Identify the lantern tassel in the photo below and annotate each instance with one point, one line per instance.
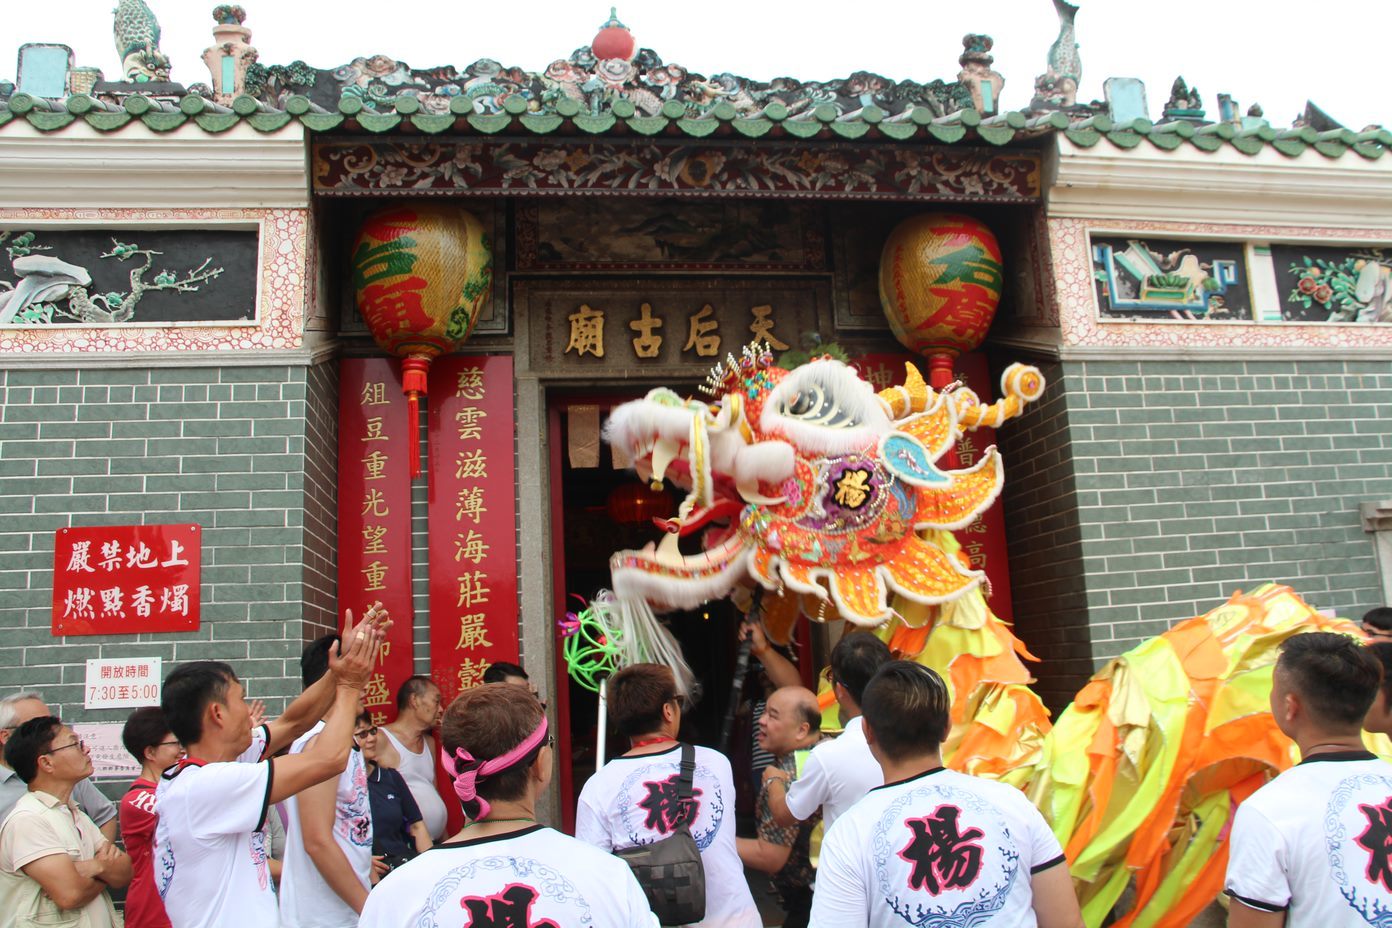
(941, 374)
(413, 380)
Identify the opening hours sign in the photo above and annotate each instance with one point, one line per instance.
(124, 579)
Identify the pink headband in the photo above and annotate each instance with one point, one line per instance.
(466, 770)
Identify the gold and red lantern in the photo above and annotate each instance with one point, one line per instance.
(940, 281)
(421, 275)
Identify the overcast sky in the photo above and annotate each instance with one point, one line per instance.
(1274, 52)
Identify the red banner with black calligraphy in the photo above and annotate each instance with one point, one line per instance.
(374, 516)
(124, 579)
(473, 533)
(983, 541)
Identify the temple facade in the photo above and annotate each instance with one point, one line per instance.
(185, 341)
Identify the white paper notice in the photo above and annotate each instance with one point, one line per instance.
(109, 756)
(124, 683)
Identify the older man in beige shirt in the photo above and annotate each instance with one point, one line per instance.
(55, 864)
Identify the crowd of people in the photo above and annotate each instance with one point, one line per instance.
(322, 819)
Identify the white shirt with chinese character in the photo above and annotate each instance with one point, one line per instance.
(634, 800)
(940, 848)
(537, 878)
(1316, 843)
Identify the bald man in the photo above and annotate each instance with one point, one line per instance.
(789, 728)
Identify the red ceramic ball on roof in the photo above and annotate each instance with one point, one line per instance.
(614, 40)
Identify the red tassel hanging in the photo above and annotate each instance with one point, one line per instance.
(413, 380)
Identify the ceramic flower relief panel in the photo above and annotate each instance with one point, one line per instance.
(1333, 284)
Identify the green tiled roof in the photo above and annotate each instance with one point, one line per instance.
(404, 114)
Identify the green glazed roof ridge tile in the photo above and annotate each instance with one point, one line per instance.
(541, 123)
(1084, 137)
(1291, 147)
(698, 128)
(598, 124)
(160, 121)
(1167, 141)
(944, 133)
(650, 125)
(753, 128)
(430, 123)
(208, 122)
(47, 121)
(899, 131)
(323, 122)
(378, 122)
(486, 123)
(850, 130)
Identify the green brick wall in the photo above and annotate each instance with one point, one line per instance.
(226, 448)
(1188, 481)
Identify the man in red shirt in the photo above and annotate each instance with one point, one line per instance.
(148, 739)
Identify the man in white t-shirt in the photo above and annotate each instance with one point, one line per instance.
(634, 798)
(503, 870)
(327, 868)
(840, 771)
(933, 846)
(209, 852)
(1313, 848)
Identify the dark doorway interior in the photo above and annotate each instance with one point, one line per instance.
(590, 522)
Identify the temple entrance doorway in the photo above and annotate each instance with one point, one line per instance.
(599, 508)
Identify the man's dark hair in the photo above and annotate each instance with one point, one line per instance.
(808, 711)
(28, 742)
(1380, 618)
(314, 659)
(412, 686)
(636, 697)
(146, 728)
(855, 659)
(364, 716)
(1382, 650)
(499, 672)
(188, 692)
(1335, 676)
(488, 721)
(908, 709)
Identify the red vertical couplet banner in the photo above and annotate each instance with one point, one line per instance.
(374, 516)
(473, 515)
(983, 541)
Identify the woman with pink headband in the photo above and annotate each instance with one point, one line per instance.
(503, 868)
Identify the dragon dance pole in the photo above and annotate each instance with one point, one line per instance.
(741, 669)
(603, 726)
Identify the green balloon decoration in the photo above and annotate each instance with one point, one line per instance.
(592, 650)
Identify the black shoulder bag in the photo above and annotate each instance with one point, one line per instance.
(670, 870)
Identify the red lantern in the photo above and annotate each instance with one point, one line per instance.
(940, 281)
(421, 274)
(638, 504)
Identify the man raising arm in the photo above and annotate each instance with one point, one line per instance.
(210, 857)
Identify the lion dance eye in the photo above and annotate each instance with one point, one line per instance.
(813, 406)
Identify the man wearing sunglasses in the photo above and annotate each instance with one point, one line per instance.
(54, 861)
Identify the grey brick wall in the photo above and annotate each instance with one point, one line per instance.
(1044, 539)
(321, 501)
(224, 448)
(1195, 479)
(1139, 494)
